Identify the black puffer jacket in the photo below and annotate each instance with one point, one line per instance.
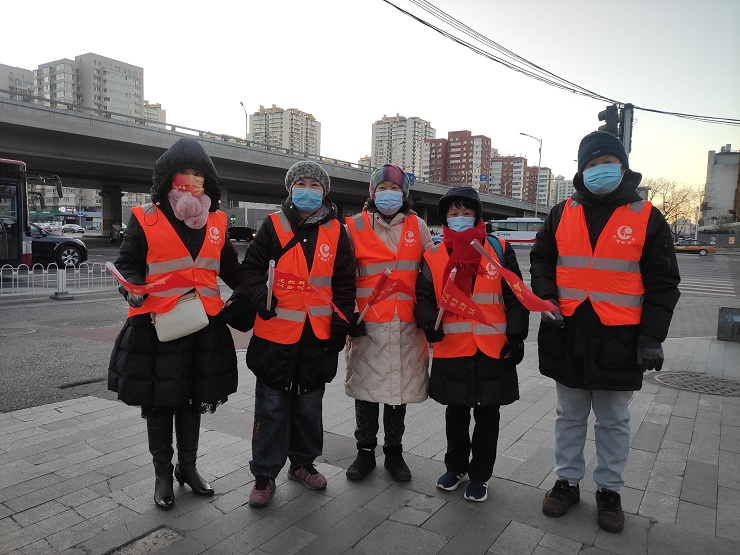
(199, 368)
(477, 380)
(585, 353)
(310, 362)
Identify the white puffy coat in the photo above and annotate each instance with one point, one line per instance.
(390, 364)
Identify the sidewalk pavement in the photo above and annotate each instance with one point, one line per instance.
(76, 477)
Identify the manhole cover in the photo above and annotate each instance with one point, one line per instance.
(14, 332)
(699, 383)
(94, 323)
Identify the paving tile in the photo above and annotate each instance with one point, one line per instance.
(558, 544)
(659, 506)
(696, 518)
(704, 447)
(40, 547)
(21, 538)
(679, 429)
(674, 540)
(38, 513)
(8, 525)
(390, 537)
(517, 539)
(666, 477)
(344, 534)
(57, 489)
(288, 542)
(61, 521)
(450, 519)
(639, 466)
(728, 514)
(649, 436)
(700, 484)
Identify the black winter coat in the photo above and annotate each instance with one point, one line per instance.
(477, 380)
(309, 363)
(585, 353)
(199, 368)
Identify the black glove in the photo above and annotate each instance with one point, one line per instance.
(355, 329)
(134, 300)
(433, 336)
(338, 338)
(558, 321)
(649, 353)
(514, 348)
(262, 308)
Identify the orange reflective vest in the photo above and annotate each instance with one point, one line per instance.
(609, 276)
(373, 257)
(167, 255)
(463, 337)
(294, 304)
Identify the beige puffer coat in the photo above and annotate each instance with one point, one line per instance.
(390, 364)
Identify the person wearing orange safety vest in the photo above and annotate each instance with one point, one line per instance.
(296, 341)
(474, 364)
(181, 232)
(606, 257)
(387, 355)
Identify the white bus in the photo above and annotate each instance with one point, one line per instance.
(517, 231)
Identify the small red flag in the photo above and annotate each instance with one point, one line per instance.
(291, 282)
(457, 302)
(385, 287)
(168, 282)
(523, 293)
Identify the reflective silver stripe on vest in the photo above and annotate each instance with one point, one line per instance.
(284, 223)
(210, 291)
(487, 298)
(637, 206)
(617, 299)
(495, 329)
(328, 225)
(359, 222)
(320, 310)
(574, 203)
(571, 294)
(364, 292)
(375, 269)
(171, 292)
(320, 281)
(599, 263)
(170, 265)
(290, 315)
(208, 263)
(457, 327)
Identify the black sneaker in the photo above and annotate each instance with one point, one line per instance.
(560, 498)
(609, 507)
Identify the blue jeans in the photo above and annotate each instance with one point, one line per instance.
(611, 429)
(286, 425)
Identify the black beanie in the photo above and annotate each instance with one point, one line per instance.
(459, 193)
(601, 143)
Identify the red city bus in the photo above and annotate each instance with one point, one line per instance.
(15, 232)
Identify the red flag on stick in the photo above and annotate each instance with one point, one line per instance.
(171, 281)
(457, 302)
(291, 282)
(523, 293)
(385, 287)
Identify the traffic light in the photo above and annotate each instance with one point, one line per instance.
(611, 118)
(233, 219)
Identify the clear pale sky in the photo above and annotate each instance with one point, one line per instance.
(349, 62)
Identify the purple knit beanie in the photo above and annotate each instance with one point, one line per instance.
(392, 173)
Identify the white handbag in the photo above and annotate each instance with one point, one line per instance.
(186, 317)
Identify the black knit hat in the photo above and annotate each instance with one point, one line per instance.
(461, 194)
(601, 143)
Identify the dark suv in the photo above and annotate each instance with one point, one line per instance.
(239, 233)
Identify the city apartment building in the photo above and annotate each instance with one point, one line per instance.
(460, 160)
(722, 188)
(560, 190)
(291, 129)
(400, 140)
(16, 83)
(154, 113)
(507, 176)
(537, 185)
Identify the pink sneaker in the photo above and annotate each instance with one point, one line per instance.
(308, 476)
(261, 491)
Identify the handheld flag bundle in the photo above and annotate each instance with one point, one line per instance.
(384, 288)
(172, 281)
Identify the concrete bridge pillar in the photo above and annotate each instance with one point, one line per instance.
(111, 208)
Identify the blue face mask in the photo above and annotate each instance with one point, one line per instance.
(307, 200)
(460, 223)
(388, 202)
(602, 179)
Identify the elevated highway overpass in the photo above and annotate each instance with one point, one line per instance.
(90, 151)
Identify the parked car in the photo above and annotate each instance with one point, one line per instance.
(239, 233)
(72, 228)
(702, 248)
(437, 239)
(50, 248)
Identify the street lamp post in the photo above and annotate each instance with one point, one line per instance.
(539, 163)
(246, 120)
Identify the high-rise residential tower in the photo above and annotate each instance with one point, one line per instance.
(460, 160)
(722, 189)
(291, 129)
(400, 140)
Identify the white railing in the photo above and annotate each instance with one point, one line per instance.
(40, 279)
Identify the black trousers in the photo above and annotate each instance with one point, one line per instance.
(482, 446)
(366, 417)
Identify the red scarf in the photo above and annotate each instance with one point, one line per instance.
(463, 256)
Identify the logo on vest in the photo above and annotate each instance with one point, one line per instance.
(409, 239)
(491, 271)
(624, 235)
(214, 235)
(325, 252)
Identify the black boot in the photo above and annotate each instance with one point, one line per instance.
(187, 431)
(364, 463)
(159, 433)
(395, 464)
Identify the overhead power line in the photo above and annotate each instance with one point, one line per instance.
(513, 61)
